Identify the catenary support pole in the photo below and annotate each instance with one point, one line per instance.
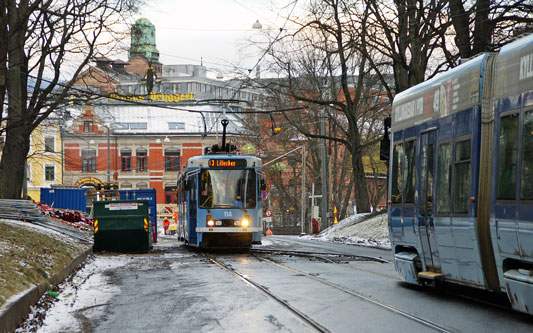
(108, 178)
(303, 190)
(324, 212)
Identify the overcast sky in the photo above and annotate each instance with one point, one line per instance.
(216, 30)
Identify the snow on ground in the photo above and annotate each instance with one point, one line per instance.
(81, 298)
(85, 295)
(358, 230)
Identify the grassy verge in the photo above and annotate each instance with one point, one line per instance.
(29, 257)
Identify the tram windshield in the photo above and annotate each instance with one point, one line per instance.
(228, 189)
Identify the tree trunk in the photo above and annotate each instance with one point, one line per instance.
(361, 192)
(13, 156)
(17, 129)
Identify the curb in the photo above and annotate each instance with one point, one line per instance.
(13, 313)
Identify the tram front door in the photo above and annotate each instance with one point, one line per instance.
(426, 211)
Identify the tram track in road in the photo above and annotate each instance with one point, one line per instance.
(391, 308)
(308, 320)
(331, 257)
(336, 258)
(320, 255)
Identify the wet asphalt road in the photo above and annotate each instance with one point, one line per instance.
(174, 289)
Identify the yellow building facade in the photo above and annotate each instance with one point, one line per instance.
(44, 163)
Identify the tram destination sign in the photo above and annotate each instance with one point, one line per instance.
(227, 163)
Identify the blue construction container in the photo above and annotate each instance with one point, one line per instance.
(146, 194)
(66, 198)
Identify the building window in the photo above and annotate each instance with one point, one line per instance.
(172, 160)
(170, 194)
(126, 185)
(87, 126)
(138, 126)
(121, 126)
(49, 144)
(125, 160)
(141, 159)
(88, 160)
(49, 173)
(176, 126)
(142, 186)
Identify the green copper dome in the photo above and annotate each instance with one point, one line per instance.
(143, 40)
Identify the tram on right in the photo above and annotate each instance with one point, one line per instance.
(461, 176)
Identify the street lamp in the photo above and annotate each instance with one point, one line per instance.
(257, 25)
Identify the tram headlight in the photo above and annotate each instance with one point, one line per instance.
(210, 222)
(245, 221)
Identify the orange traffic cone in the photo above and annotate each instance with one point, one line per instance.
(269, 232)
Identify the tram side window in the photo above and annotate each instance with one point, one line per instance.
(444, 174)
(248, 192)
(409, 172)
(192, 193)
(426, 202)
(461, 183)
(397, 159)
(526, 189)
(507, 158)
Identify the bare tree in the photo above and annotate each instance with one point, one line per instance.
(39, 42)
(320, 67)
(401, 38)
(484, 25)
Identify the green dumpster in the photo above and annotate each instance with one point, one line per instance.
(122, 226)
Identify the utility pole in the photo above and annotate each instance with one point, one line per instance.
(303, 189)
(108, 158)
(324, 205)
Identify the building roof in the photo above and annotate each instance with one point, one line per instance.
(167, 119)
(126, 119)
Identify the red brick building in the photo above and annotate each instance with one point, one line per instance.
(139, 137)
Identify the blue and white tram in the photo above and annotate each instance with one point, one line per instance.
(461, 176)
(219, 201)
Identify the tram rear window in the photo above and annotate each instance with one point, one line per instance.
(228, 188)
(461, 186)
(444, 174)
(409, 172)
(526, 190)
(507, 158)
(397, 158)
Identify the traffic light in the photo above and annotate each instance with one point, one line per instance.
(384, 146)
(275, 129)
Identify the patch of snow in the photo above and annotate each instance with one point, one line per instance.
(358, 229)
(265, 242)
(84, 297)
